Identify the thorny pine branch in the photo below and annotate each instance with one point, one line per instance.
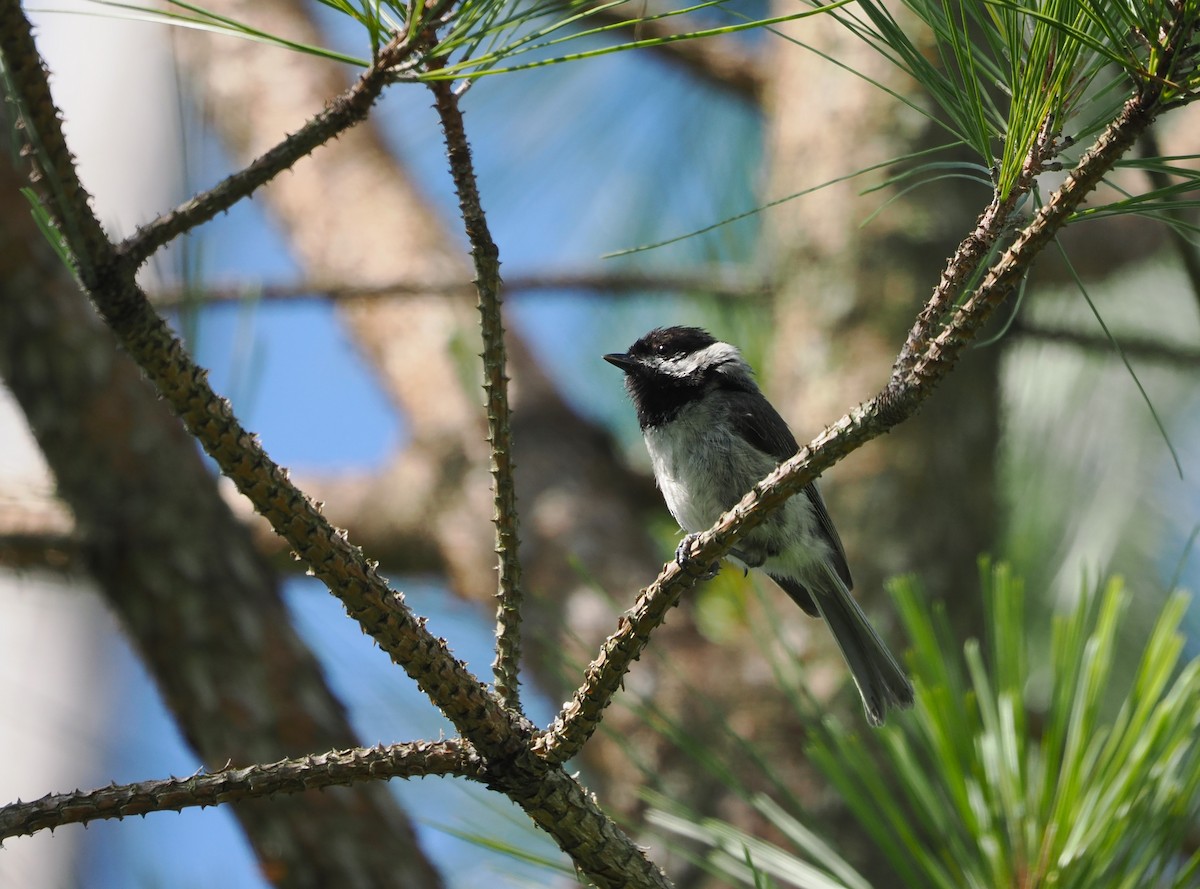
(973, 250)
(417, 759)
(154, 536)
(486, 257)
(342, 112)
(209, 417)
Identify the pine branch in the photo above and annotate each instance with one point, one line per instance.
(971, 252)
(486, 257)
(552, 799)
(210, 418)
(417, 759)
(152, 533)
(341, 113)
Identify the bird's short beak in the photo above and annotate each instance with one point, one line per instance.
(621, 360)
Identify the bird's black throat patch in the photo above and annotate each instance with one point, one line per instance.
(659, 398)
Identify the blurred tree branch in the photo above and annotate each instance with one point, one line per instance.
(720, 64)
(718, 282)
(1153, 349)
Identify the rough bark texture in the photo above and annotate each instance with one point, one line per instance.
(195, 598)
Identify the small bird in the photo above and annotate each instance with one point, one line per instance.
(712, 435)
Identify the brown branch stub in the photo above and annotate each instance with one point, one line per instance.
(416, 759)
(486, 257)
(720, 64)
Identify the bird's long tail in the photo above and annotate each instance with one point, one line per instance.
(881, 680)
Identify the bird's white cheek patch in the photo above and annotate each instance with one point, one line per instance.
(684, 366)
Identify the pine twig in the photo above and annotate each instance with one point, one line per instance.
(486, 257)
(342, 112)
(417, 759)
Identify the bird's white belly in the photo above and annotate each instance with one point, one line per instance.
(685, 480)
(703, 471)
(702, 468)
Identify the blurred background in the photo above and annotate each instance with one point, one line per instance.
(334, 310)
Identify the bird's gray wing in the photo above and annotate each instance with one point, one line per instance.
(825, 523)
(757, 421)
(799, 593)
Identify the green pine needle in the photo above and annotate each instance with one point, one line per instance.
(979, 787)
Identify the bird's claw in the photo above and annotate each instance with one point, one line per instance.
(683, 558)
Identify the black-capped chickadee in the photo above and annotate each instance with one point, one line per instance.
(712, 436)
